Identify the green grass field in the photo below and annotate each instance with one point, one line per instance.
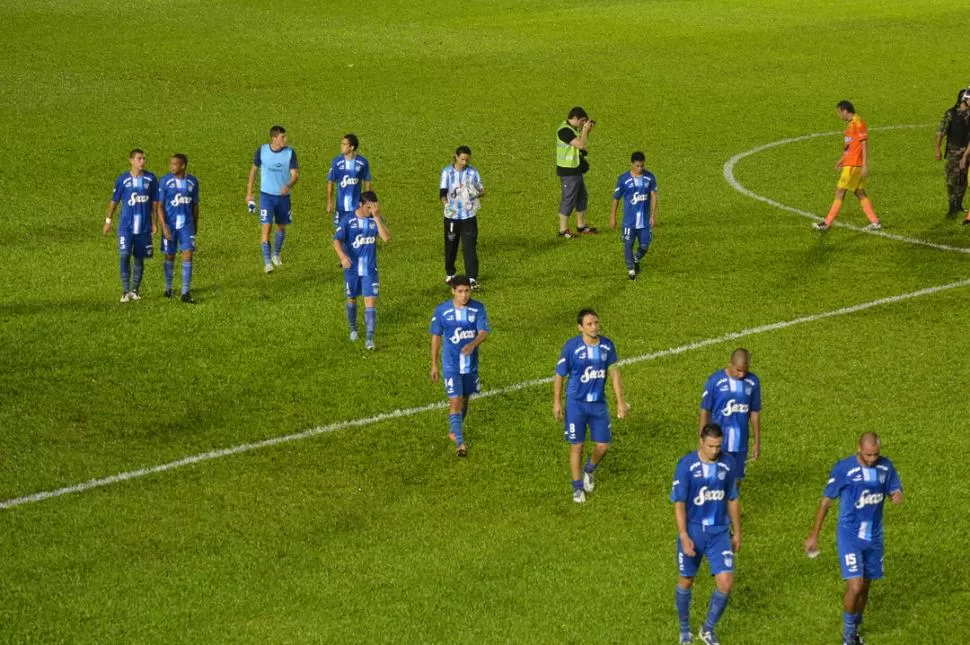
(376, 532)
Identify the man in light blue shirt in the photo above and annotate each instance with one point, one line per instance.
(461, 191)
(278, 171)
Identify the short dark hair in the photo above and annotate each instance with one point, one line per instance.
(583, 313)
(352, 140)
(460, 281)
(711, 430)
(577, 113)
(463, 150)
(845, 105)
(276, 130)
(368, 196)
(637, 156)
(742, 353)
(182, 158)
(134, 152)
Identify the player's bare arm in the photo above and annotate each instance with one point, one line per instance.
(251, 183)
(294, 177)
(680, 516)
(654, 201)
(382, 230)
(811, 543)
(734, 512)
(557, 397)
(755, 418)
(476, 341)
(344, 258)
(616, 380)
(330, 203)
(435, 353)
(112, 207)
(613, 208)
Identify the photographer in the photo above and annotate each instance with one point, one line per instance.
(572, 137)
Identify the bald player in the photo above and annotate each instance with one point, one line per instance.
(732, 400)
(861, 483)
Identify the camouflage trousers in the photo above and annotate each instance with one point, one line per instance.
(956, 179)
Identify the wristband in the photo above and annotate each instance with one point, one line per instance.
(107, 220)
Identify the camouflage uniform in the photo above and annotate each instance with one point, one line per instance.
(955, 126)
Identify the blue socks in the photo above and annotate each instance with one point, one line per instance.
(280, 236)
(455, 423)
(715, 609)
(125, 264)
(265, 247)
(590, 467)
(370, 321)
(352, 315)
(849, 625)
(137, 273)
(169, 270)
(577, 484)
(186, 276)
(683, 608)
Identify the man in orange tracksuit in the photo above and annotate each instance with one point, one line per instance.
(855, 169)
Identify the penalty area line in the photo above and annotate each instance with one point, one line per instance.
(408, 412)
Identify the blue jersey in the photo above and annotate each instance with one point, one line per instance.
(461, 188)
(705, 489)
(862, 492)
(137, 198)
(586, 367)
(178, 198)
(348, 175)
(635, 193)
(358, 236)
(730, 402)
(457, 327)
(274, 168)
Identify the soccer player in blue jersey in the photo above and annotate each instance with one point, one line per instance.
(459, 325)
(355, 242)
(178, 199)
(350, 176)
(705, 497)
(732, 399)
(136, 191)
(278, 171)
(586, 360)
(635, 188)
(461, 190)
(861, 483)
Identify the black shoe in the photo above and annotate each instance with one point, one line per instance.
(966, 222)
(636, 266)
(567, 234)
(168, 293)
(587, 230)
(475, 286)
(461, 451)
(187, 297)
(633, 275)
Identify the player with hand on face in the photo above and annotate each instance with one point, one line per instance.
(178, 199)
(586, 360)
(458, 327)
(861, 483)
(137, 191)
(355, 242)
(705, 497)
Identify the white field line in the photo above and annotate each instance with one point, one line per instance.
(738, 186)
(407, 412)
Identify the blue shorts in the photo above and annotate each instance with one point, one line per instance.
(338, 217)
(139, 245)
(460, 385)
(182, 239)
(859, 558)
(716, 547)
(361, 285)
(274, 208)
(643, 235)
(740, 459)
(595, 415)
